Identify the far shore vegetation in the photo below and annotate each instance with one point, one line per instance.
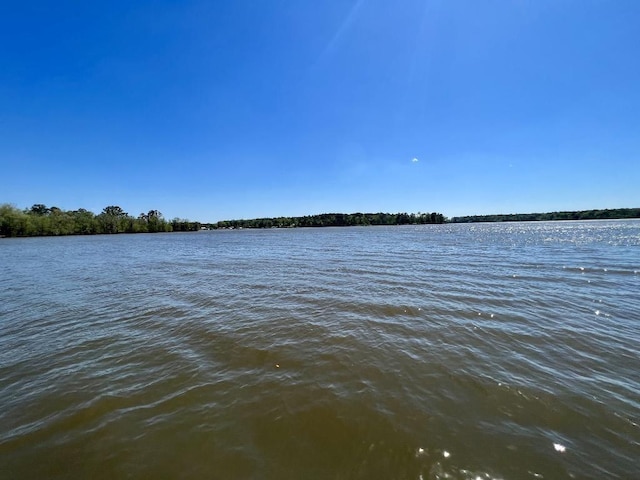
(336, 220)
(40, 220)
(606, 214)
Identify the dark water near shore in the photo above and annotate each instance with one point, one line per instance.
(442, 351)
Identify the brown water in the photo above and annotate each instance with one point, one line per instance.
(483, 351)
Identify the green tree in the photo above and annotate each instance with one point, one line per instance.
(112, 219)
(39, 209)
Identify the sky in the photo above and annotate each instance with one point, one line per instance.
(211, 110)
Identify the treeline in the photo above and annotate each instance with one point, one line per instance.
(335, 220)
(41, 220)
(615, 213)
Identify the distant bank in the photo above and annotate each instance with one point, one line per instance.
(334, 220)
(41, 220)
(615, 213)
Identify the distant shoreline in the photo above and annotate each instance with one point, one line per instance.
(333, 220)
(372, 219)
(605, 214)
(43, 221)
(40, 221)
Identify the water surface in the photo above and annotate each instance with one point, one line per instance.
(422, 352)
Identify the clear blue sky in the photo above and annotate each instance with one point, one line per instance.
(216, 110)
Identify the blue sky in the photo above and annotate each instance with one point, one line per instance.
(238, 109)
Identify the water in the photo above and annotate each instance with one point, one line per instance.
(490, 351)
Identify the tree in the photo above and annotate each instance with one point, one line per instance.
(114, 210)
(84, 222)
(39, 209)
(111, 219)
(153, 219)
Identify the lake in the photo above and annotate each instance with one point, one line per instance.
(457, 351)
